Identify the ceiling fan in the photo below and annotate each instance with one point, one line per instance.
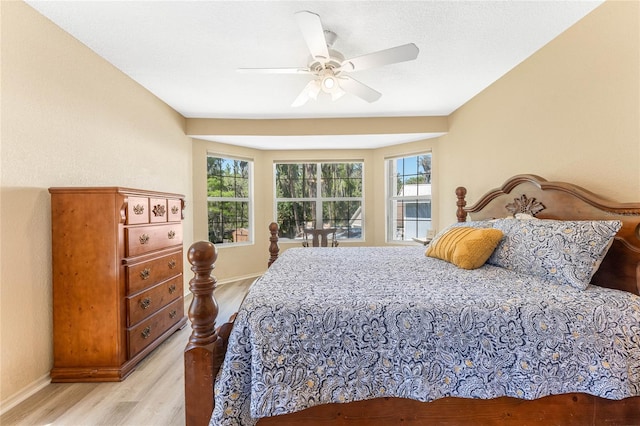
(330, 69)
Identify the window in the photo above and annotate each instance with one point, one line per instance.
(408, 197)
(319, 195)
(229, 199)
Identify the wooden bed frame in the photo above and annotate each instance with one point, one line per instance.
(522, 193)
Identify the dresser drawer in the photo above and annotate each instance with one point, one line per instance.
(174, 210)
(137, 210)
(145, 239)
(148, 274)
(158, 208)
(143, 334)
(146, 303)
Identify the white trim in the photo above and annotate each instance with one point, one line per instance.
(189, 296)
(409, 154)
(24, 394)
(241, 278)
(219, 154)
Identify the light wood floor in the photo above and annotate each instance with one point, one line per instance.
(152, 395)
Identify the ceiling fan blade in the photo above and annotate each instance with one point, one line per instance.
(274, 70)
(406, 52)
(313, 33)
(337, 94)
(310, 91)
(353, 86)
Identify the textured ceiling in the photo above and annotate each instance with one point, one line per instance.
(187, 52)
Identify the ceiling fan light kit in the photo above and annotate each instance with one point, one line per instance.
(328, 83)
(328, 66)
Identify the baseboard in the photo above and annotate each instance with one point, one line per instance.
(188, 295)
(25, 393)
(237, 279)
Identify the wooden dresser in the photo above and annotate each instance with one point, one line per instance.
(117, 279)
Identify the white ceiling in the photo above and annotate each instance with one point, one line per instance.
(187, 53)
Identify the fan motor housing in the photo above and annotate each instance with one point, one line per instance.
(333, 63)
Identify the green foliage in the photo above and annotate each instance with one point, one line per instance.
(298, 183)
(228, 184)
(415, 180)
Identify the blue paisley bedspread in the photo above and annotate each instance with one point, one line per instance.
(345, 324)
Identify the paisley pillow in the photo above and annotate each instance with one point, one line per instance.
(567, 252)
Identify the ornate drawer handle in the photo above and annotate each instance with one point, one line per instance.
(171, 235)
(172, 288)
(138, 209)
(173, 314)
(174, 209)
(146, 332)
(144, 239)
(145, 273)
(172, 263)
(144, 303)
(159, 210)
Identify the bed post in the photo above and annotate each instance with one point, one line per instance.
(273, 247)
(461, 213)
(205, 350)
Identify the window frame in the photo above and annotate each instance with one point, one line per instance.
(249, 200)
(319, 199)
(390, 199)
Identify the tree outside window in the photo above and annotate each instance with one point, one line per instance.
(409, 197)
(319, 195)
(229, 200)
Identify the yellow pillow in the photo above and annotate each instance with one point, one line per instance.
(467, 248)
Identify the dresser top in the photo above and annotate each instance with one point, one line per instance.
(112, 190)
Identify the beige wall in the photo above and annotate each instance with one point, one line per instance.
(569, 112)
(68, 119)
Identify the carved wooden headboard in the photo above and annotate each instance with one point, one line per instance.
(564, 201)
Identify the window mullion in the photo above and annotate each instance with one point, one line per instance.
(319, 199)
